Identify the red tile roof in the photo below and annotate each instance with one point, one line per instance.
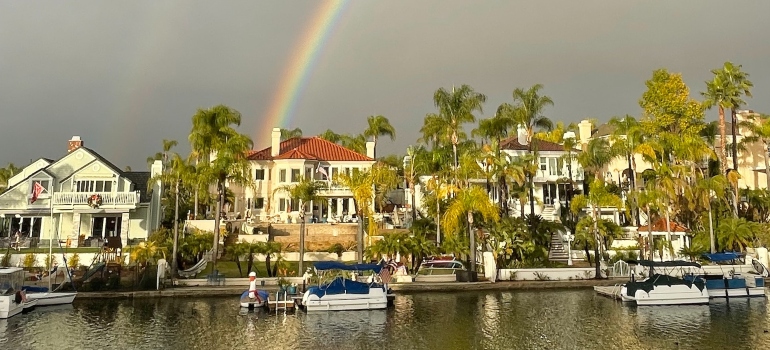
(310, 148)
(512, 143)
(660, 226)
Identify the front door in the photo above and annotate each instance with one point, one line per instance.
(105, 226)
(549, 194)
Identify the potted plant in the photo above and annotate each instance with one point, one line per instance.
(282, 285)
(292, 289)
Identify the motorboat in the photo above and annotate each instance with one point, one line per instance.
(46, 298)
(340, 293)
(254, 298)
(728, 284)
(663, 287)
(12, 297)
(439, 269)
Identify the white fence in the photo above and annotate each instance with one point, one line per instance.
(547, 274)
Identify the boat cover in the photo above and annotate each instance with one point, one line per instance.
(726, 256)
(263, 295)
(340, 286)
(650, 263)
(33, 289)
(335, 265)
(661, 280)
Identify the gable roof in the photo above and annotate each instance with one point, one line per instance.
(310, 148)
(603, 130)
(660, 226)
(43, 170)
(512, 143)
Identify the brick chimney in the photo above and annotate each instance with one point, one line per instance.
(275, 144)
(74, 143)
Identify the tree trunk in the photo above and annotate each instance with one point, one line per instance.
(438, 220)
(267, 265)
(360, 236)
(502, 196)
(734, 119)
(300, 267)
(649, 233)
(217, 214)
(722, 142)
(175, 247)
(711, 231)
(472, 239)
(531, 188)
(195, 209)
(597, 238)
(250, 260)
(668, 234)
(414, 206)
(767, 163)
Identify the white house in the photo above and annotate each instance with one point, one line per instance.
(285, 163)
(82, 198)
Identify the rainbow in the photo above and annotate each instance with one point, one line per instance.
(295, 76)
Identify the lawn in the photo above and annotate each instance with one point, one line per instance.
(230, 269)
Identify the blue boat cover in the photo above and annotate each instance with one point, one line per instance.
(335, 265)
(726, 256)
(33, 289)
(340, 286)
(263, 295)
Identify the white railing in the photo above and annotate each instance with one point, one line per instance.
(108, 198)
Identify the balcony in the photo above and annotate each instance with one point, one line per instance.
(109, 199)
(554, 176)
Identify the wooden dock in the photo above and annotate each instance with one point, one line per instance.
(609, 291)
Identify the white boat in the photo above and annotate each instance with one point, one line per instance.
(345, 294)
(12, 298)
(664, 288)
(28, 305)
(439, 269)
(52, 298)
(731, 284)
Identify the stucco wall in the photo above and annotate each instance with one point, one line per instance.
(319, 236)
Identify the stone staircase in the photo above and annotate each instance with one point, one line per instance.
(558, 252)
(549, 213)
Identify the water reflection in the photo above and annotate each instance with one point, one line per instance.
(554, 319)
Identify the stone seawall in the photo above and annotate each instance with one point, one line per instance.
(319, 236)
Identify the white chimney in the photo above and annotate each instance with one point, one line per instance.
(521, 134)
(275, 145)
(584, 129)
(370, 149)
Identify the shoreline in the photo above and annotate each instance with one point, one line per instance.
(401, 288)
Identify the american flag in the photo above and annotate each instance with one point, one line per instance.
(322, 171)
(385, 273)
(37, 189)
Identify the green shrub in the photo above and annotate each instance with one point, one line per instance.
(6, 260)
(74, 260)
(30, 260)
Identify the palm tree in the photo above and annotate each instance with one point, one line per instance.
(527, 112)
(306, 191)
(716, 95)
(738, 85)
(704, 191)
(736, 234)
(290, 133)
(460, 212)
(221, 154)
(379, 126)
(356, 143)
(331, 136)
(164, 156)
(7, 173)
(556, 135)
(597, 197)
(626, 138)
(362, 184)
(456, 108)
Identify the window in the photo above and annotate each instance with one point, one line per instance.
(93, 186)
(282, 175)
(248, 203)
(308, 174)
(105, 226)
(259, 203)
(294, 205)
(543, 163)
(29, 226)
(46, 185)
(295, 175)
(282, 204)
(259, 174)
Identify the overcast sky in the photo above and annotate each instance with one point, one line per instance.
(125, 75)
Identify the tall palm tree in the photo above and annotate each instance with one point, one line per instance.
(290, 133)
(304, 192)
(456, 108)
(221, 154)
(459, 215)
(707, 189)
(556, 135)
(433, 131)
(164, 156)
(738, 85)
(716, 95)
(356, 143)
(527, 111)
(379, 126)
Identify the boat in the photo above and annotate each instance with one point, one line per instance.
(733, 284)
(253, 298)
(663, 287)
(341, 293)
(439, 269)
(12, 298)
(46, 298)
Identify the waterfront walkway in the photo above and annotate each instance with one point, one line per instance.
(414, 287)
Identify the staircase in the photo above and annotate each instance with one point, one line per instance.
(558, 252)
(549, 213)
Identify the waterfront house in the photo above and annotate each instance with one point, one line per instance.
(286, 163)
(81, 196)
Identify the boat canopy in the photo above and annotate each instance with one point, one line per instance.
(726, 256)
(335, 265)
(675, 263)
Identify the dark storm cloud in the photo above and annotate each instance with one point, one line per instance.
(125, 75)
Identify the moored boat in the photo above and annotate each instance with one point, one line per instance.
(439, 269)
(344, 294)
(665, 288)
(729, 284)
(12, 298)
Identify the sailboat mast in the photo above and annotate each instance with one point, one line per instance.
(50, 242)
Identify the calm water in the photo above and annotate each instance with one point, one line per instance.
(553, 319)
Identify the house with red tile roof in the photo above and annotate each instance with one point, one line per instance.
(286, 163)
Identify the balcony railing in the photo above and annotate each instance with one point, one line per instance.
(108, 198)
(546, 175)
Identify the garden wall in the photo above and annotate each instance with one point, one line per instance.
(547, 274)
(319, 236)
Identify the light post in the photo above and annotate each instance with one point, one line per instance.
(569, 237)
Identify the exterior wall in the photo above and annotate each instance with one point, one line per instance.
(138, 226)
(319, 236)
(28, 171)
